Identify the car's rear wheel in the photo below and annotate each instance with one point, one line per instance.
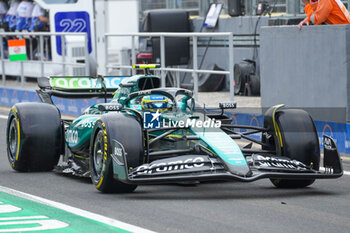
(299, 138)
(127, 131)
(34, 137)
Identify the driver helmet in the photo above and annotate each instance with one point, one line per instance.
(155, 103)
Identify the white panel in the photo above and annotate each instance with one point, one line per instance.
(122, 17)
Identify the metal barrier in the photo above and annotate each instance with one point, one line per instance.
(43, 45)
(195, 71)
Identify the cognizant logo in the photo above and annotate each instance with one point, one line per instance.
(152, 120)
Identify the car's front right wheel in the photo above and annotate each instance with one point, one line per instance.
(298, 141)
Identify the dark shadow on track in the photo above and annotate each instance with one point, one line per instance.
(222, 192)
(81, 179)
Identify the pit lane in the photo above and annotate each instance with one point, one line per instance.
(209, 207)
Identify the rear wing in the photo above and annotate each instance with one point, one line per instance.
(73, 87)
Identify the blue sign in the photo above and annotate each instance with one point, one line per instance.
(75, 21)
(151, 120)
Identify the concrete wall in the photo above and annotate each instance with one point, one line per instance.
(307, 68)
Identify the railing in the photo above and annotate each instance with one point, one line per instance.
(43, 45)
(195, 71)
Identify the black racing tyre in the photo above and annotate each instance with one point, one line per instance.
(238, 79)
(126, 130)
(254, 83)
(300, 142)
(242, 71)
(34, 137)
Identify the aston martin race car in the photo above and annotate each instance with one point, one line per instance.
(149, 134)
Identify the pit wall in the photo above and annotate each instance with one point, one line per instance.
(339, 131)
(307, 68)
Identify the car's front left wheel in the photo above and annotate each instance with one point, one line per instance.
(127, 131)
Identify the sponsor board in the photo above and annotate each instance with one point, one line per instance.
(14, 98)
(73, 106)
(174, 164)
(5, 97)
(277, 162)
(85, 82)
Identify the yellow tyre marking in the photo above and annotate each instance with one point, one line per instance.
(18, 132)
(18, 138)
(279, 135)
(100, 182)
(105, 154)
(277, 131)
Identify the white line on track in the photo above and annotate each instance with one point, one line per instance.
(3, 117)
(76, 211)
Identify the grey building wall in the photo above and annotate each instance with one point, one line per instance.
(307, 68)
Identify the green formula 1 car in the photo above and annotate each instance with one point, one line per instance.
(150, 135)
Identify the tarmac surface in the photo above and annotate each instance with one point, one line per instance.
(207, 207)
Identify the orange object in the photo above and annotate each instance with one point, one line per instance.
(17, 43)
(327, 11)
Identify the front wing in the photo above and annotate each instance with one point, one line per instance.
(205, 168)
